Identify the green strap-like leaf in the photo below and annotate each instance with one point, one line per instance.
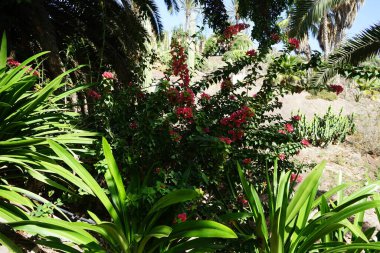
(174, 197)
(87, 178)
(303, 192)
(11, 246)
(202, 229)
(3, 52)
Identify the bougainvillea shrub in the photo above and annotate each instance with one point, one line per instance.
(181, 135)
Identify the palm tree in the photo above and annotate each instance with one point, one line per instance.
(358, 49)
(325, 19)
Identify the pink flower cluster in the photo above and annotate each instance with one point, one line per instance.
(242, 200)
(182, 217)
(305, 142)
(175, 136)
(282, 156)
(336, 88)
(205, 96)
(173, 95)
(247, 161)
(236, 119)
(184, 112)
(275, 37)
(186, 97)
(234, 29)
(225, 140)
(289, 128)
(295, 178)
(251, 53)
(294, 43)
(13, 64)
(93, 94)
(296, 118)
(179, 65)
(107, 75)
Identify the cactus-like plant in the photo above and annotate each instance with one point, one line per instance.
(326, 129)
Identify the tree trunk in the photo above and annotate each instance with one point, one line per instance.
(305, 47)
(325, 37)
(45, 35)
(191, 42)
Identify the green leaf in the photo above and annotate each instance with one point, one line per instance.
(197, 245)
(359, 246)
(11, 246)
(114, 170)
(87, 178)
(202, 229)
(174, 197)
(235, 216)
(3, 52)
(303, 192)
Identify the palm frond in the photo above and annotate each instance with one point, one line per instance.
(307, 12)
(172, 5)
(354, 51)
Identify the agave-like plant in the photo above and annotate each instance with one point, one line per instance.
(126, 232)
(30, 114)
(300, 221)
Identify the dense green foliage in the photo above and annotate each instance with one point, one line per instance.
(292, 226)
(163, 177)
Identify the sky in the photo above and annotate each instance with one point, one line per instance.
(368, 14)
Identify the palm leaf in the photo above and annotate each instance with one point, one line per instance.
(355, 50)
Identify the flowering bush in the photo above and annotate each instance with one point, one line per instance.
(234, 29)
(194, 137)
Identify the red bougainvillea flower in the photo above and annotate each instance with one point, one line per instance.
(294, 43)
(305, 142)
(281, 131)
(182, 217)
(241, 200)
(206, 130)
(107, 75)
(251, 53)
(184, 112)
(133, 125)
(247, 161)
(187, 97)
(179, 65)
(336, 88)
(237, 118)
(289, 127)
(232, 97)
(173, 95)
(275, 37)
(12, 62)
(93, 94)
(282, 156)
(205, 96)
(295, 178)
(296, 118)
(234, 29)
(225, 140)
(175, 136)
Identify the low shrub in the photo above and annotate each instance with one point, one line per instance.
(297, 220)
